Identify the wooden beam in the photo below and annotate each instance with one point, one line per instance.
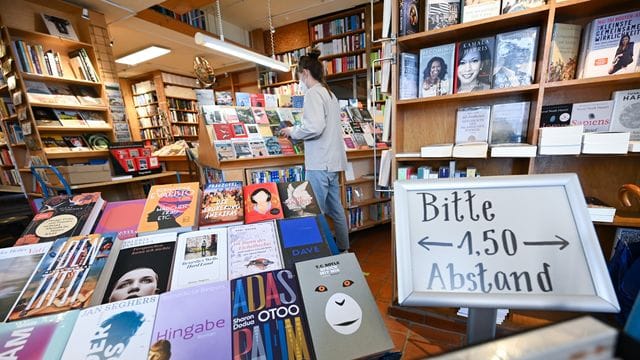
(183, 6)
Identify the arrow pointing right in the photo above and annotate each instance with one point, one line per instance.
(562, 242)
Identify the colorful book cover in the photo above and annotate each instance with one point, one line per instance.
(239, 131)
(563, 59)
(260, 115)
(39, 338)
(284, 100)
(285, 336)
(245, 115)
(63, 216)
(212, 114)
(229, 114)
(509, 123)
(344, 319)
(201, 258)
(273, 146)
(625, 112)
(253, 249)
(270, 101)
(595, 116)
(297, 199)
(272, 116)
(224, 149)
(437, 70)
(286, 146)
(474, 64)
(285, 115)
(17, 264)
(224, 98)
(202, 329)
(261, 202)
(479, 9)
(171, 207)
(258, 148)
(142, 267)
(614, 45)
(120, 217)
(222, 204)
(409, 17)
(556, 115)
(243, 99)
(66, 277)
(257, 100)
(297, 101)
(265, 130)
(242, 149)
(442, 13)
(300, 240)
(253, 131)
(515, 60)
(223, 131)
(120, 330)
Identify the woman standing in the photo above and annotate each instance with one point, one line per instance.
(324, 152)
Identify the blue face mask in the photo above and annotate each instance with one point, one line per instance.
(302, 87)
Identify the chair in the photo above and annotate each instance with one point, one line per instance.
(40, 174)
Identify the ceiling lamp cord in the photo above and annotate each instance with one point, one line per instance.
(271, 29)
(219, 20)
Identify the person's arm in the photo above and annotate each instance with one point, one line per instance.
(313, 119)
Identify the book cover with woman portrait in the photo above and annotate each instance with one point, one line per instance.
(261, 202)
(474, 62)
(436, 70)
(171, 207)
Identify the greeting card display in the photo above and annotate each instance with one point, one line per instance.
(133, 158)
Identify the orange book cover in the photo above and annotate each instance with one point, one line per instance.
(170, 207)
(261, 202)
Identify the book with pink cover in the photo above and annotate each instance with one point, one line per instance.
(121, 217)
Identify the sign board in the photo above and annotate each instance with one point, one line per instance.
(499, 242)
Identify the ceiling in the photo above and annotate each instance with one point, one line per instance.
(130, 33)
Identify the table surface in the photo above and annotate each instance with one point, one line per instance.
(124, 181)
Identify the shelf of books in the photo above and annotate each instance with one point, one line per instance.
(281, 83)
(537, 88)
(364, 206)
(214, 256)
(152, 126)
(58, 113)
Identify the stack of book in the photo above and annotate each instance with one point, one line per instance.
(564, 140)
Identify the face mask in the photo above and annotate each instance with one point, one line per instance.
(302, 87)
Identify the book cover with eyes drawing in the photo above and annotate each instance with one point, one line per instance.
(201, 330)
(120, 330)
(269, 320)
(344, 320)
(171, 207)
(252, 249)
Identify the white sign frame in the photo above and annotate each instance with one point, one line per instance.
(603, 298)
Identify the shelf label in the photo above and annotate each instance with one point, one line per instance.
(499, 242)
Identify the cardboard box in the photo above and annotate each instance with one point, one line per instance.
(83, 174)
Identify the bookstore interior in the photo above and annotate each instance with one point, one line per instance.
(145, 167)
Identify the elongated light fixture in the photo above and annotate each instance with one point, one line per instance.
(239, 52)
(143, 55)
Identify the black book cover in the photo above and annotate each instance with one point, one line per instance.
(298, 199)
(556, 115)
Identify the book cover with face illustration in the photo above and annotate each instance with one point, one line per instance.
(268, 316)
(253, 249)
(66, 277)
(120, 330)
(344, 319)
(261, 202)
(171, 207)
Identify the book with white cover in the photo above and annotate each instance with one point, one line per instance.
(605, 143)
(478, 10)
(634, 146)
(476, 149)
(509, 123)
(514, 150)
(573, 149)
(201, 257)
(472, 124)
(120, 330)
(626, 112)
(561, 135)
(595, 116)
(436, 150)
(252, 249)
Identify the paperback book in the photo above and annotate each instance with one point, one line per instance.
(442, 13)
(563, 59)
(515, 60)
(595, 116)
(120, 217)
(436, 70)
(298, 199)
(261, 202)
(509, 123)
(474, 64)
(300, 240)
(66, 278)
(120, 330)
(242, 149)
(253, 249)
(222, 204)
(201, 257)
(472, 124)
(142, 268)
(171, 207)
(626, 112)
(285, 336)
(344, 320)
(556, 115)
(408, 81)
(480, 9)
(63, 216)
(200, 330)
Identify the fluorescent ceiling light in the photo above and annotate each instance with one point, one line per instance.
(239, 52)
(143, 55)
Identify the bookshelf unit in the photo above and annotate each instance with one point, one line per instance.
(286, 83)
(426, 121)
(69, 92)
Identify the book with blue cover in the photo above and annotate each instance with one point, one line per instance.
(300, 240)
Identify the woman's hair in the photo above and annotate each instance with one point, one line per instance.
(443, 68)
(485, 59)
(311, 63)
(625, 35)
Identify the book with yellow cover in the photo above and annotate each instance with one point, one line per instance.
(171, 207)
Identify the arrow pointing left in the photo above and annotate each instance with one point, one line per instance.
(425, 244)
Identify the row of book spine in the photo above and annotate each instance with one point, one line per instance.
(183, 116)
(182, 104)
(338, 26)
(144, 99)
(345, 63)
(82, 66)
(10, 177)
(184, 130)
(291, 57)
(32, 58)
(5, 157)
(291, 174)
(345, 44)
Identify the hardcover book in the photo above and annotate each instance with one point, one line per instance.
(626, 112)
(510, 6)
(272, 116)
(408, 81)
(613, 45)
(300, 240)
(472, 124)
(563, 59)
(38, 338)
(285, 336)
(142, 267)
(509, 123)
(261, 202)
(474, 64)
(223, 98)
(63, 216)
(515, 60)
(171, 207)
(286, 146)
(298, 199)
(239, 131)
(409, 17)
(201, 257)
(442, 13)
(479, 9)
(202, 328)
(436, 70)
(120, 330)
(595, 116)
(556, 115)
(344, 320)
(253, 249)
(286, 116)
(66, 278)
(222, 204)
(17, 264)
(120, 217)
